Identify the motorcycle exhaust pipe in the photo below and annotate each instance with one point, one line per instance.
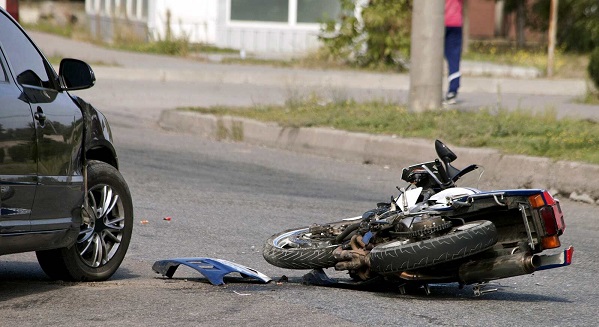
(497, 268)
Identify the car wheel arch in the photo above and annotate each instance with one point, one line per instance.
(104, 154)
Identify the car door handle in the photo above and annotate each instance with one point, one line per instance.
(40, 115)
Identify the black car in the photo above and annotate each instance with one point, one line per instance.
(62, 195)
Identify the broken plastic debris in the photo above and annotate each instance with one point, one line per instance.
(243, 294)
(167, 218)
(213, 269)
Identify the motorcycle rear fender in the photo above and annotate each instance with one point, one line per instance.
(529, 206)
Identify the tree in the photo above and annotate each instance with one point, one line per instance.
(593, 67)
(519, 8)
(374, 35)
(577, 23)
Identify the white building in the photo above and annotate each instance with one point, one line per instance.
(284, 26)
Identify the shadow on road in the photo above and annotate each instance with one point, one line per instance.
(22, 279)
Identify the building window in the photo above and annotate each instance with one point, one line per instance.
(144, 9)
(132, 8)
(102, 7)
(317, 11)
(264, 10)
(120, 8)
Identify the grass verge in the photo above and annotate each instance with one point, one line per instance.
(47, 27)
(172, 47)
(591, 97)
(566, 65)
(516, 132)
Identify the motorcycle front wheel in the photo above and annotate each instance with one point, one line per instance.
(298, 249)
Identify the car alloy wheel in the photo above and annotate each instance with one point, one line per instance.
(102, 229)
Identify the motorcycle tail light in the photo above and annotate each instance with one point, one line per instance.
(559, 218)
(550, 212)
(548, 216)
(551, 217)
(536, 201)
(551, 242)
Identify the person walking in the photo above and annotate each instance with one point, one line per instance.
(453, 47)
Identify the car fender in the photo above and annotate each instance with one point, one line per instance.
(98, 136)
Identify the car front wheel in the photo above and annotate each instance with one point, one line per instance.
(105, 231)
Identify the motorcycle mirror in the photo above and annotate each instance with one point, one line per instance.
(444, 152)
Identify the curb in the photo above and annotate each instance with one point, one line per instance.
(476, 68)
(564, 178)
(292, 78)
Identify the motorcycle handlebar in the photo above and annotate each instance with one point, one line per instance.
(445, 181)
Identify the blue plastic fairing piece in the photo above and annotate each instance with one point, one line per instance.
(213, 269)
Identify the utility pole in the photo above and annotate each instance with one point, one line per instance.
(426, 66)
(552, 36)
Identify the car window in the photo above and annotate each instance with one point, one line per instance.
(24, 58)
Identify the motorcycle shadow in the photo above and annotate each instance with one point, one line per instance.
(453, 292)
(424, 291)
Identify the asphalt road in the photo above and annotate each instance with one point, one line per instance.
(224, 200)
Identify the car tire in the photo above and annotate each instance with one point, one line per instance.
(104, 238)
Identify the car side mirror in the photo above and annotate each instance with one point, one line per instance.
(75, 74)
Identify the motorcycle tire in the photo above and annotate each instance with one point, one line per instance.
(462, 241)
(286, 251)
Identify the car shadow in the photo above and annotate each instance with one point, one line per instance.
(25, 278)
(21, 271)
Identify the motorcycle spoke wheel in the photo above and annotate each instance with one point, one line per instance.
(292, 250)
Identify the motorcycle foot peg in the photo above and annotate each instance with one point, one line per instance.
(402, 289)
(427, 289)
(479, 291)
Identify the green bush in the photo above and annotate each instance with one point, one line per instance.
(381, 38)
(593, 67)
(577, 23)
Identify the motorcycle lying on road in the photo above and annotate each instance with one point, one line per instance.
(434, 232)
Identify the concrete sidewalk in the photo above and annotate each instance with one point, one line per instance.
(498, 89)
(143, 86)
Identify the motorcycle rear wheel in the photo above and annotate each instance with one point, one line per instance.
(288, 249)
(462, 241)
